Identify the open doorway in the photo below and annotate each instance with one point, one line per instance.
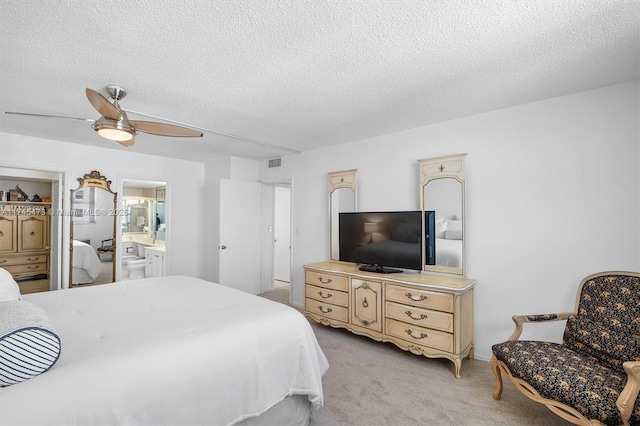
(276, 242)
(31, 234)
(282, 237)
(143, 229)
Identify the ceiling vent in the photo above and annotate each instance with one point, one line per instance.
(276, 162)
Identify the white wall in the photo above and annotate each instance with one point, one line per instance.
(553, 195)
(185, 186)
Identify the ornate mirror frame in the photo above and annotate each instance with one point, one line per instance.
(343, 197)
(99, 182)
(447, 174)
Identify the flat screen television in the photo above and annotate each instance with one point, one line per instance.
(383, 242)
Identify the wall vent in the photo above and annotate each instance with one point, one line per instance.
(276, 162)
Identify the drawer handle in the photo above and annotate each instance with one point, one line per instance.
(323, 310)
(365, 303)
(3, 260)
(415, 298)
(323, 296)
(32, 267)
(410, 315)
(32, 233)
(1, 234)
(329, 280)
(33, 259)
(410, 333)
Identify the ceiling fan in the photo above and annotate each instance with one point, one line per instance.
(114, 123)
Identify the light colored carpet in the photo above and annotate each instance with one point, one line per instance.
(373, 383)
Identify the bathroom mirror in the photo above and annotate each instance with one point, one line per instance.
(93, 231)
(161, 213)
(343, 198)
(442, 184)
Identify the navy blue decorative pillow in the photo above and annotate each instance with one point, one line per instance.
(28, 344)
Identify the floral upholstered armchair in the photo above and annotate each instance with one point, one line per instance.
(593, 377)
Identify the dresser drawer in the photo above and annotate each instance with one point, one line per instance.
(22, 259)
(335, 282)
(420, 317)
(26, 269)
(328, 310)
(419, 335)
(420, 298)
(327, 295)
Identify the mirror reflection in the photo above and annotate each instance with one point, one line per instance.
(342, 199)
(442, 201)
(93, 231)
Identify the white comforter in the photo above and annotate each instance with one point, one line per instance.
(85, 257)
(171, 350)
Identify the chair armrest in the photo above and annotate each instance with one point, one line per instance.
(627, 398)
(521, 319)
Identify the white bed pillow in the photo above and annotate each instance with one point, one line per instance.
(441, 226)
(454, 230)
(28, 344)
(9, 289)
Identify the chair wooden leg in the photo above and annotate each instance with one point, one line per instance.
(497, 394)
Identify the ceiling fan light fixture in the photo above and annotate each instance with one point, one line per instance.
(114, 130)
(115, 134)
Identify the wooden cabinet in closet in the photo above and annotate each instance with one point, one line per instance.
(24, 239)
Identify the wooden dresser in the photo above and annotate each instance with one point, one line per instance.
(24, 239)
(425, 314)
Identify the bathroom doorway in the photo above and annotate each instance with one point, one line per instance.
(143, 229)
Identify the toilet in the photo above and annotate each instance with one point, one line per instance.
(136, 269)
(133, 261)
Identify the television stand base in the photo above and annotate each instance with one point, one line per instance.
(379, 269)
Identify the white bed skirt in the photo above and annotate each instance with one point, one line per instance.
(294, 410)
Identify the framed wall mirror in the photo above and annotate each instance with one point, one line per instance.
(442, 186)
(93, 231)
(343, 198)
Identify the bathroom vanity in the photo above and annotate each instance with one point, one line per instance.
(154, 265)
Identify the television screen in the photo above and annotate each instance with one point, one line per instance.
(382, 240)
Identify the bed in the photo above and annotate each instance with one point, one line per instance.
(171, 350)
(448, 241)
(86, 263)
(449, 252)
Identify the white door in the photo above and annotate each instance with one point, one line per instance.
(239, 248)
(55, 237)
(282, 234)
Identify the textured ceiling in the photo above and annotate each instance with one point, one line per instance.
(301, 74)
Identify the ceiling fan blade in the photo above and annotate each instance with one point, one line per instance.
(48, 116)
(103, 106)
(162, 129)
(127, 142)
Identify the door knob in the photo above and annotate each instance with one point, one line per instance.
(222, 247)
